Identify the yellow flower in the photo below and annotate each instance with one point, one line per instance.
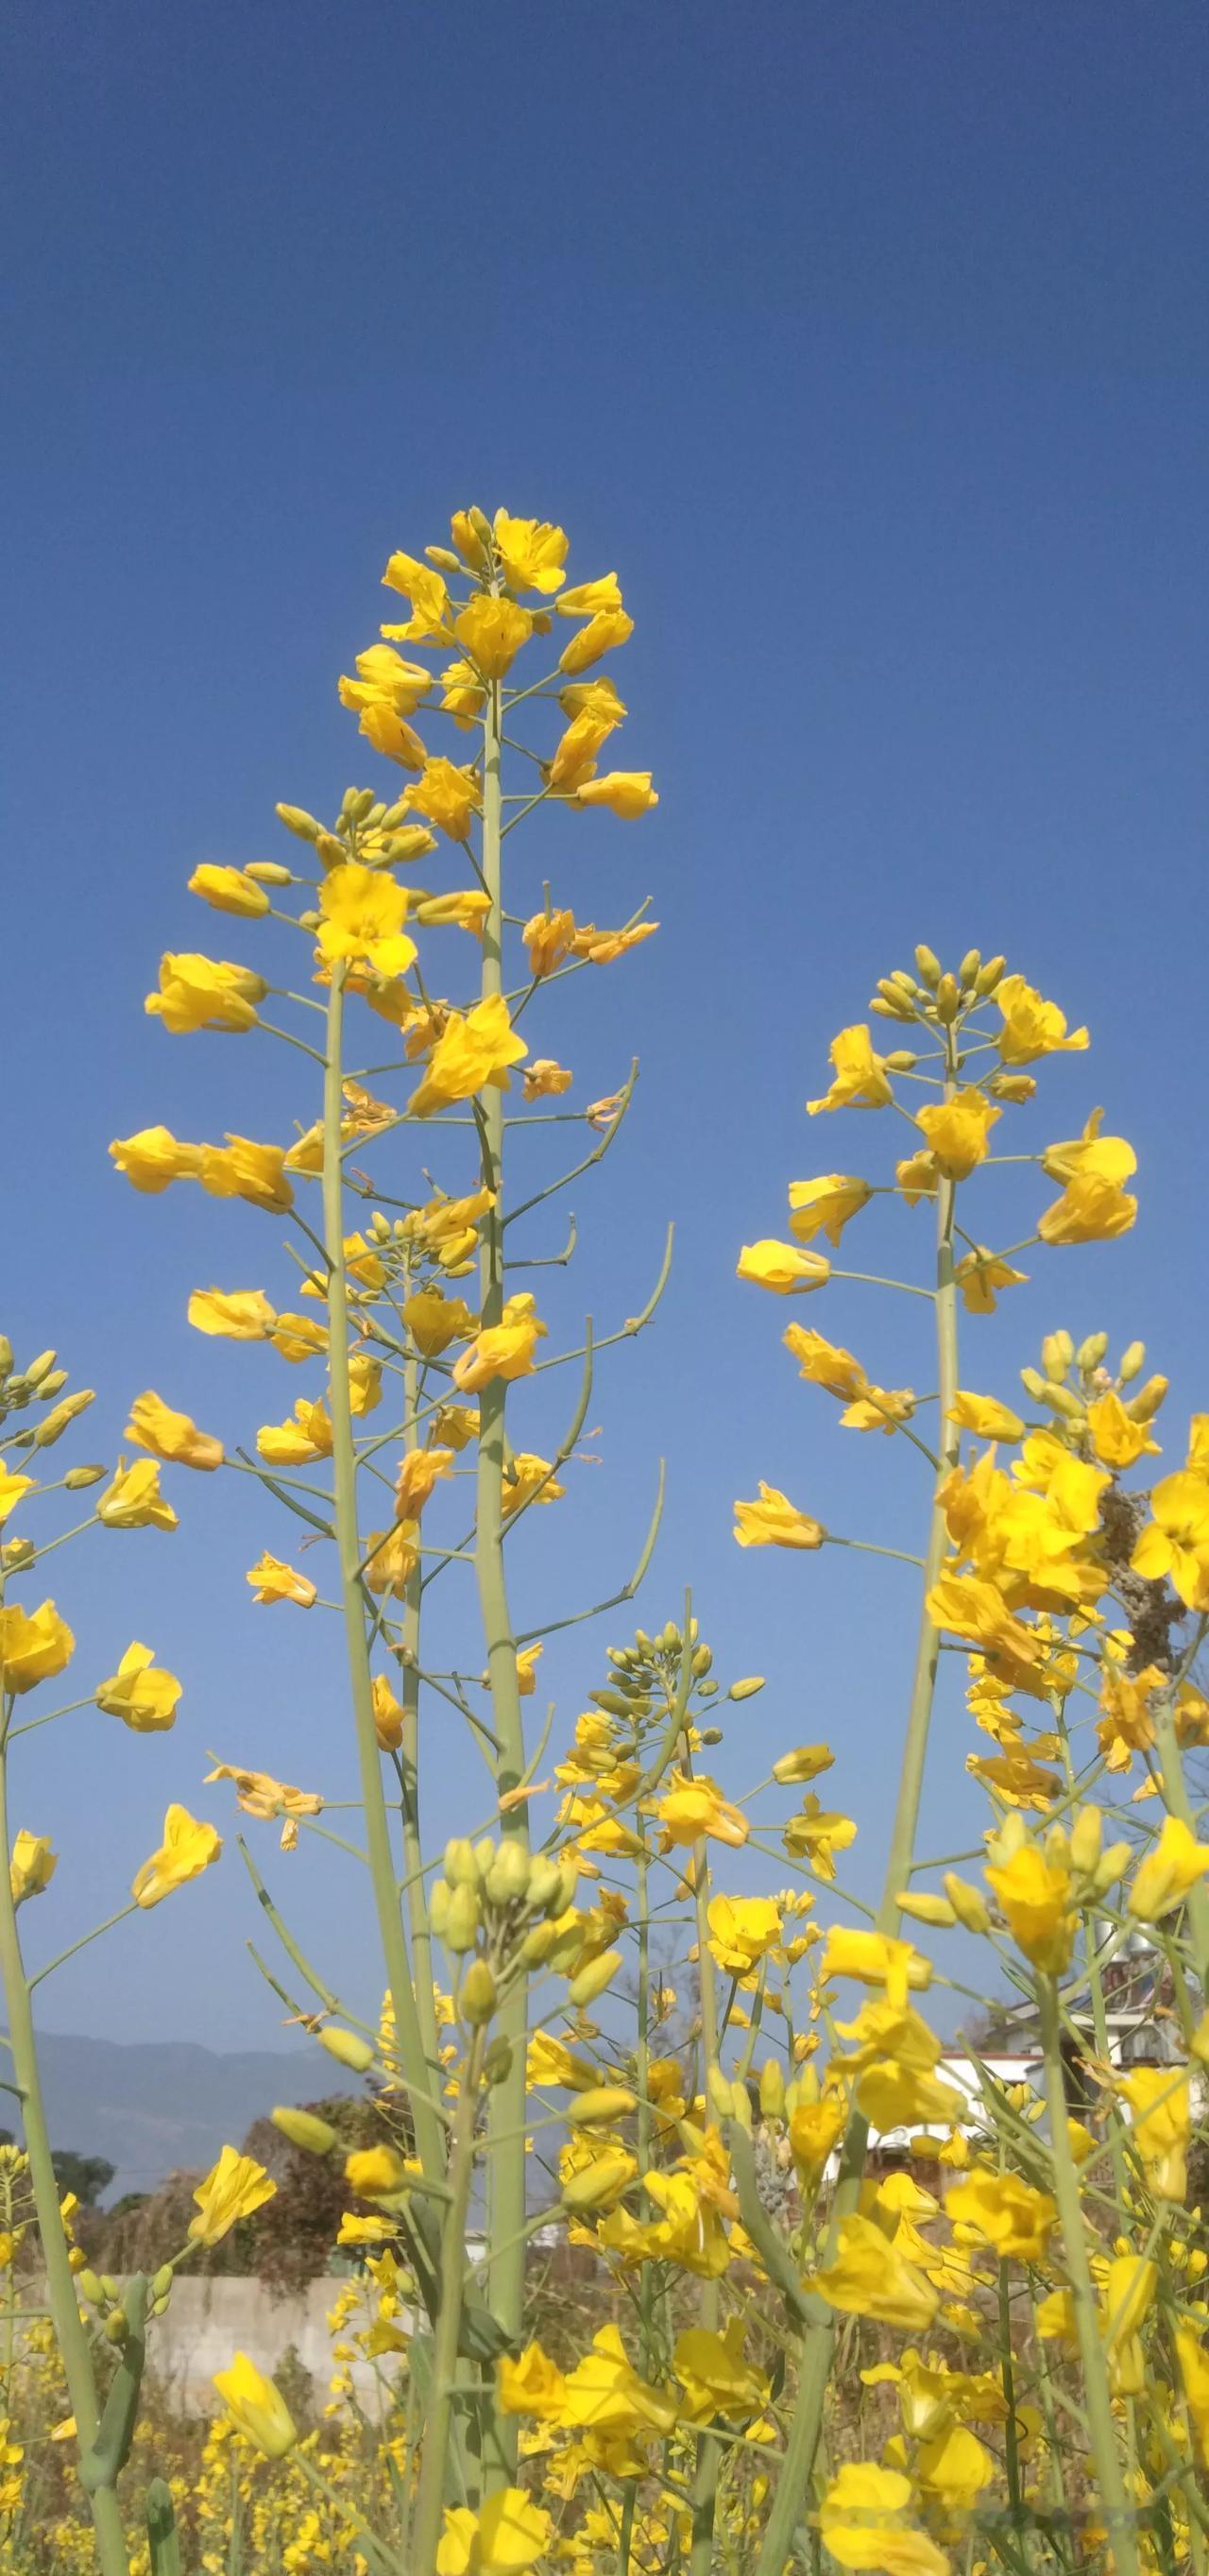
(492, 631)
(446, 796)
(601, 635)
(373, 2173)
(814, 2129)
(134, 1500)
(825, 1205)
(205, 993)
(1117, 1441)
(546, 1079)
(863, 2523)
(953, 2469)
(591, 598)
(243, 1169)
(1103, 1158)
(626, 792)
(528, 1478)
(780, 1266)
(430, 621)
(274, 1581)
(531, 552)
(1034, 1894)
(874, 1959)
(692, 1808)
(34, 1646)
(12, 1490)
(463, 695)
(229, 890)
(1031, 1027)
(593, 698)
(605, 2394)
(153, 1158)
(232, 2189)
(237, 1315)
(742, 1930)
(575, 752)
(383, 674)
(298, 1337)
(601, 947)
(503, 1350)
(470, 1052)
(419, 1472)
(868, 2277)
(816, 1833)
(547, 937)
(1004, 2212)
(508, 2535)
(363, 915)
(463, 908)
(296, 1443)
(526, 1670)
(1176, 1541)
(388, 1716)
(774, 1521)
(435, 1320)
(32, 1867)
(957, 1131)
(1169, 1873)
(1126, 2298)
(1161, 2102)
(981, 1275)
(188, 1847)
(1194, 2375)
(880, 1408)
(170, 1435)
(143, 1697)
(988, 1419)
(825, 1363)
(392, 1557)
(364, 1383)
(1090, 1210)
(531, 2385)
(860, 1079)
(382, 725)
(917, 1177)
(714, 2375)
(256, 2407)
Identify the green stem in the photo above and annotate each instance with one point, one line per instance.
(70, 2333)
(409, 1766)
(1097, 2396)
(506, 2275)
(439, 2427)
(382, 1868)
(788, 2499)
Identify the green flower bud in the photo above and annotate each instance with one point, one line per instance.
(347, 2048)
(116, 2328)
(901, 1060)
(361, 806)
(57, 1421)
(1033, 1383)
(601, 2104)
(772, 2089)
(968, 1905)
(670, 1638)
(438, 1908)
(702, 1660)
(1091, 1352)
(77, 1478)
(1057, 1352)
(332, 850)
(161, 2281)
(1143, 1406)
(443, 559)
(968, 971)
(746, 1689)
(6, 1356)
(711, 1735)
(928, 965)
(461, 1868)
(478, 1994)
(593, 1979)
(40, 1368)
(988, 976)
(497, 2063)
(508, 1876)
(1133, 1361)
(462, 1921)
(89, 2288)
(270, 871)
(109, 2286)
(304, 2129)
(302, 825)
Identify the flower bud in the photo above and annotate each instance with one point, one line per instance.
(1143, 1406)
(606, 2175)
(497, 2063)
(989, 975)
(302, 825)
(1057, 1352)
(804, 1763)
(347, 2048)
(923, 1908)
(1033, 1383)
(508, 1876)
(1111, 1865)
(969, 1906)
(309, 920)
(161, 2281)
(901, 1060)
(593, 1979)
(269, 872)
(670, 1637)
(948, 1000)
(304, 2129)
(711, 1735)
(444, 560)
(896, 1003)
(438, 1908)
(538, 1945)
(772, 2089)
(722, 2093)
(461, 1868)
(885, 1010)
(116, 2328)
(40, 1368)
(1132, 1362)
(602, 2103)
(747, 1688)
(1091, 1351)
(1060, 1399)
(56, 1422)
(1010, 1086)
(969, 969)
(89, 2288)
(1086, 1836)
(462, 1921)
(478, 1995)
(77, 1478)
(702, 1660)
(16, 1554)
(332, 850)
(6, 1356)
(544, 1882)
(928, 965)
(568, 1881)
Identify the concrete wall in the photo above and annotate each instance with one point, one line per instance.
(210, 2320)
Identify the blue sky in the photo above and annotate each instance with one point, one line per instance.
(870, 346)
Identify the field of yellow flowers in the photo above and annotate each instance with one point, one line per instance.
(824, 2303)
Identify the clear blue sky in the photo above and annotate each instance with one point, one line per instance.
(869, 343)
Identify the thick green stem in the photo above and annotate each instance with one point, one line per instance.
(438, 2429)
(60, 2284)
(801, 2449)
(1097, 2395)
(506, 2272)
(409, 1771)
(383, 1872)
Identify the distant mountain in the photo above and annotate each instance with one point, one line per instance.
(157, 2107)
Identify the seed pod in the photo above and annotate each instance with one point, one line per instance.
(593, 1979)
(347, 2048)
(304, 2129)
(478, 1995)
